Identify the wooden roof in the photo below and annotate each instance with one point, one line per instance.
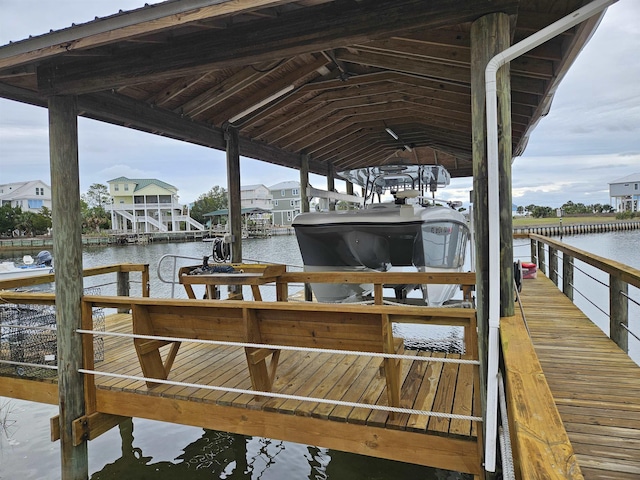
(319, 77)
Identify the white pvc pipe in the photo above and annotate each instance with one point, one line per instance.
(494, 64)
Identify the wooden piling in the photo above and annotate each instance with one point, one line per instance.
(67, 245)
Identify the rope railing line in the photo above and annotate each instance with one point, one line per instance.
(591, 276)
(29, 327)
(630, 332)
(588, 299)
(629, 298)
(27, 364)
(279, 347)
(285, 396)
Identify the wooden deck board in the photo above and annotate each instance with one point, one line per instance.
(595, 385)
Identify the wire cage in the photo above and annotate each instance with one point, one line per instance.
(28, 338)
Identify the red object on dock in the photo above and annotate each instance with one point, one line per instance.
(529, 270)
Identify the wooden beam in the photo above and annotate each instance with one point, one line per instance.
(67, 245)
(437, 451)
(307, 30)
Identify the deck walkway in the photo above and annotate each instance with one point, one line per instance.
(596, 386)
(430, 386)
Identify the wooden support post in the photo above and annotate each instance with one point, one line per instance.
(489, 36)
(567, 275)
(67, 247)
(542, 264)
(235, 204)
(123, 288)
(618, 312)
(534, 251)
(304, 207)
(331, 185)
(553, 265)
(304, 183)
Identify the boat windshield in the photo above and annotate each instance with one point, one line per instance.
(443, 245)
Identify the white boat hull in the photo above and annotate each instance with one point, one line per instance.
(386, 238)
(8, 271)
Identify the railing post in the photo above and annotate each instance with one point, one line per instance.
(618, 312)
(567, 275)
(541, 260)
(534, 251)
(553, 265)
(123, 288)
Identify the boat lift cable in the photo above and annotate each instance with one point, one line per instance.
(281, 347)
(493, 186)
(408, 411)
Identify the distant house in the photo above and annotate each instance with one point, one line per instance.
(286, 202)
(255, 196)
(147, 205)
(30, 196)
(625, 193)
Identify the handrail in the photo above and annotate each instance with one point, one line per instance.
(620, 277)
(626, 273)
(120, 268)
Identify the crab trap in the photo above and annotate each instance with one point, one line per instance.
(28, 339)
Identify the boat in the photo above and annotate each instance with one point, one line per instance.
(412, 232)
(42, 265)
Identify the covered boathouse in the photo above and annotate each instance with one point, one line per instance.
(315, 86)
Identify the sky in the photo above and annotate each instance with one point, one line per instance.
(591, 136)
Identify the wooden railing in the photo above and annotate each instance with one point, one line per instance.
(620, 277)
(122, 270)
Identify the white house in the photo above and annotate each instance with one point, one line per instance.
(30, 196)
(147, 205)
(625, 193)
(255, 196)
(286, 202)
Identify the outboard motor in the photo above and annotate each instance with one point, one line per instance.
(44, 258)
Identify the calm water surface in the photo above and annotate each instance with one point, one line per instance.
(145, 449)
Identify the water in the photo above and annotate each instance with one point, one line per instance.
(147, 449)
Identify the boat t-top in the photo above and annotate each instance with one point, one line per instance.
(411, 232)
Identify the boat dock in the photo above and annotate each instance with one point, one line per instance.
(571, 391)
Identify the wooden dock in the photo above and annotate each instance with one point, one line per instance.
(447, 443)
(595, 385)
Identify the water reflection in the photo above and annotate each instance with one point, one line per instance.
(226, 456)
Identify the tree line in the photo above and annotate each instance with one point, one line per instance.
(568, 209)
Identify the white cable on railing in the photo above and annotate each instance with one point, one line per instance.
(27, 364)
(281, 347)
(29, 327)
(285, 396)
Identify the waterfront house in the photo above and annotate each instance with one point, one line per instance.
(147, 205)
(625, 193)
(256, 196)
(286, 202)
(30, 196)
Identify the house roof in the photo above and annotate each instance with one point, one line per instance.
(246, 188)
(634, 177)
(285, 185)
(244, 211)
(321, 78)
(21, 190)
(143, 182)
